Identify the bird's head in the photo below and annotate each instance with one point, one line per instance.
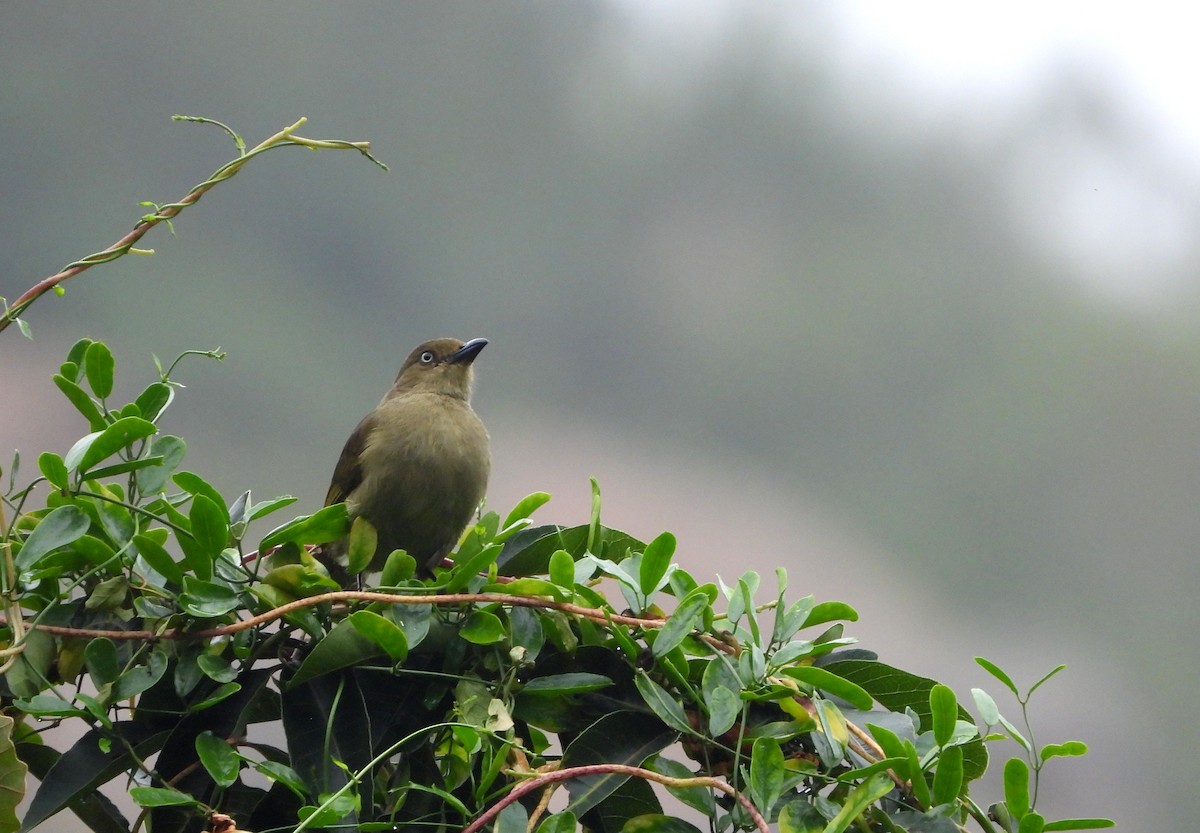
(442, 365)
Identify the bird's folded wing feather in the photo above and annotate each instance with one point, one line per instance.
(348, 472)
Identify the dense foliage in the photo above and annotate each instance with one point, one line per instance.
(221, 677)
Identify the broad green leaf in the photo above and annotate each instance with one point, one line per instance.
(943, 708)
(210, 526)
(101, 659)
(656, 560)
(1031, 822)
(382, 631)
(219, 758)
(329, 524)
(698, 798)
(104, 444)
(622, 737)
(207, 599)
(662, 703)
(948, 777)
(343, 646)
(98, 366)
(766, 773)
(172, 450)
(217, 668)
(140, 678)
(54, 470)
(363, 540)
(57, 529)
(559, 823)
(998, 673)
(82, 402)
(720, 686)
(483, 628)
(158, 558)
(681, 622)
(562, 568)
(1016, 787)
(154, 400)
(512, 819)
(830, 612)
(831, 683)
(12, 777)
(988, 710)
(800, 817)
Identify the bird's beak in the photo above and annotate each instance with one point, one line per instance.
(467, 353)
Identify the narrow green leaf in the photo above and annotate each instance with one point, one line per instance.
(1078, 824)
(219, 758)
(831, 683)
(1038, 684)
(98, 365)
(1016, 787)
(656, 560)
(57, 529)
(995, 671)
(160, 797)
(210, 526)
(54, 470)
(125, 467)
(920, 786)
(662, 703)
(943, 707)
(860, 798)
(699, 799)
(1071, 748)
(577, 682)
(525, 507)
(681, 622)
(82, 402)
(329, 524)
(196, 486)
(121, 434)
(266, 507)
(948, 777)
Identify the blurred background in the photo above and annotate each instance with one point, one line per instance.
(901, 297)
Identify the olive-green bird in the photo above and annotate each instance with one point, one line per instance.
(417, 466)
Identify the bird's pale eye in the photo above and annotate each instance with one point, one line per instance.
(427, 357)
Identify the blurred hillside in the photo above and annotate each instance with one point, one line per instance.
(795, 314)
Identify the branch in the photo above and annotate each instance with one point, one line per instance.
(125, 244)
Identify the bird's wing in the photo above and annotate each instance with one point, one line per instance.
(348, 472)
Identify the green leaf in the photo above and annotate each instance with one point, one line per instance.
(720, 686)
(207, 599)
(172, 450)
(160, 797)
(988, 710)
(1038, 684)
(382, 631)
(512, 819)
(343, 646)
(766, 773)
(210, 526)
(622, 737)
(1078, 824)
(525, 507)
(82, 402)
(54, 470)
(995, 671)
(1016, 787)
(948, 778)
(831, 683)
(363, 541)
(682, 621)
(1031, 822)
(57, 529)
(943, 707)
(124, 467)
(94, 448)
(1071, 748)
(12, 777)
(329, 524)
(800, 817)
(155, 555)
(100, 655)
(573, 683)
(483, 628)
(197, 486)
(698, 798)
(860, 798)
(656, 560)
(830, 612)
(154, 400)
(662, 703)
(98, 365)
(140, 678)
(564, 822)
(219, 758)
(266, 507)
